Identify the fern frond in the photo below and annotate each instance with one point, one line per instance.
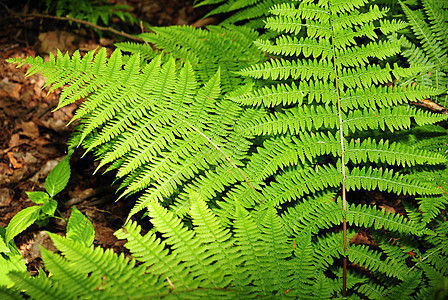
(287, 94)
(118, 274)
(393, 119)
(153, 252)
(187, 247)
(247, 239)
(296, 182)
(304, 269)
(383, 96)
(41, 287)
(371, 259)
(313, 214)
(296, 69)
(368, 216)
(369, 150)
(405, 288)
(386, 180)
(294, 120)
(66, 273)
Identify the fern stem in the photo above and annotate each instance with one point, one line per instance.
(344, 194)
(87, 23)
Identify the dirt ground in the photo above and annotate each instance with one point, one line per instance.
(33, 137)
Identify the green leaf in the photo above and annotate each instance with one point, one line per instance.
(58, 177)
(21, 221)
(3, 247)
(13, 262)
(38, 197)
(79, 228)
(50, 207)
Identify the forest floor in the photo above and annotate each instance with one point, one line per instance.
(33, 137)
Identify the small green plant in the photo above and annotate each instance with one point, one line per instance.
(10, 257)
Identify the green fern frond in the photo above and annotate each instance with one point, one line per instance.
(371, 259)
(117, 274)
(40, 287)
(313, 214)
(296, 69)
(304, 269)
(386, 180)
(187, 247)
(369, 150)
(296, 182)
(397, 118)
(287, 94)
(405, 288)
(64, 272)
(431, 206)
(294, 121)
(329, 248)
(153, 252)
(367, 216)
(228, 48)
(383, 96)
(247, 240)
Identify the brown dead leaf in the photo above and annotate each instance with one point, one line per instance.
(10, 89)
(58, 39)
(15, 164)
(30, 129)
(5, 196)
(387, 208)
(14, 141)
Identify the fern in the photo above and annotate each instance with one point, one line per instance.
(427, 45)
(250, 168)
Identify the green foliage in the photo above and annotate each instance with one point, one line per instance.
(10, 257)
(248, 166)
(427, 45)
(55, 182)
(96, 12)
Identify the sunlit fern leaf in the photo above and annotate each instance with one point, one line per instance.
(40, 287)
(211, 232)
(188, 248)
(382, 151)
(328, 248)
(288, 94)
(252, 12)
(304, 269)
(371, 259)
(118, 274)
(247, 240)
(387, 180)
(153, 252)
(397, 118)
(367, 216)
(66, 273)
(371, 290)
(293, 121)
(228, 48)
(296, 182)
(383, 96)
(313, 214)
(296, 69)
(276, 250)
(427, 45)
